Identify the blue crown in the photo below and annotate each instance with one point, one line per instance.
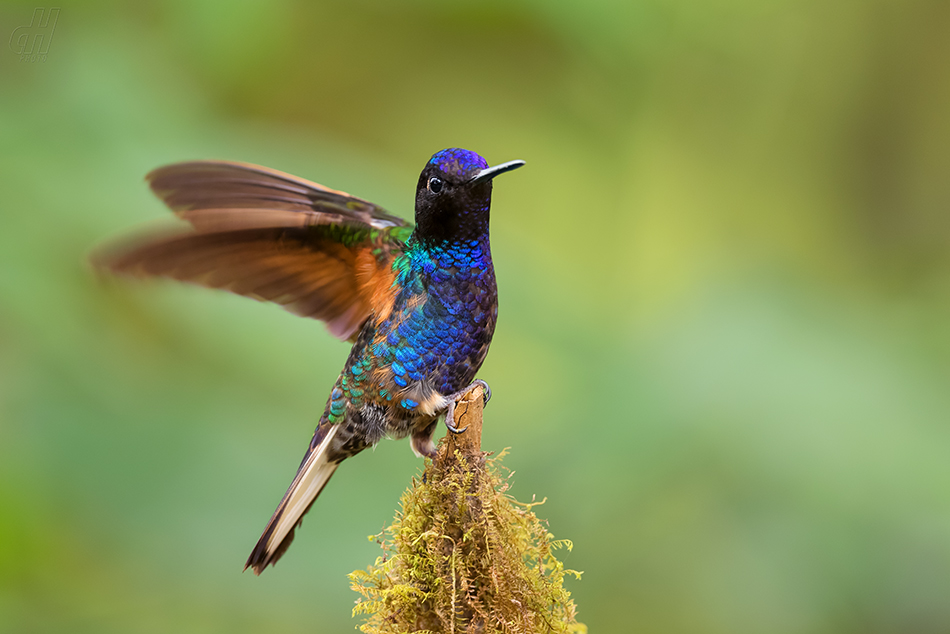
(458, 162)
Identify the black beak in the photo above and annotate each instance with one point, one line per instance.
(491, 172)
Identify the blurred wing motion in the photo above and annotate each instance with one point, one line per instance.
(257, 232)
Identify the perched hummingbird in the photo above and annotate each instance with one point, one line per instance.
(419, 303)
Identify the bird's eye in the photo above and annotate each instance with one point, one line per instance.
(435, 185)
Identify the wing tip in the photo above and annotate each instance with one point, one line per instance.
(130, 254)
(111, 258)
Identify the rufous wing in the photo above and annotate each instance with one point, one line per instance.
(267, 235)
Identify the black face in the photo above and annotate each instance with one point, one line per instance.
(454, 195)
(451, 207)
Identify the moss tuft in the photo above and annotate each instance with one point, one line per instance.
(464, 556)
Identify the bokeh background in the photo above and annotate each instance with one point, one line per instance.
(724, 340)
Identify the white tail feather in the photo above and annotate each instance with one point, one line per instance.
(310, 480)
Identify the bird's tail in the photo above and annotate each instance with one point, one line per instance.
(312, 476)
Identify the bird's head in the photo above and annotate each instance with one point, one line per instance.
(454, 195)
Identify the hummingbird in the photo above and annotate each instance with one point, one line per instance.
(419, 303)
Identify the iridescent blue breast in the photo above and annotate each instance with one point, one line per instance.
(437, 335)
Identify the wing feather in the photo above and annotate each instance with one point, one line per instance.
(260, 233)
(191, 188)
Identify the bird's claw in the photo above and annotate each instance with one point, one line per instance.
(450, 412)
(450, 420)
(487, 390)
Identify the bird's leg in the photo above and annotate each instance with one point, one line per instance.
(450, 411)
(421, 441)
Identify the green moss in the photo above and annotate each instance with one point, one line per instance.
(464, 556)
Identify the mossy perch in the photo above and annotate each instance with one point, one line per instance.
(462, 556)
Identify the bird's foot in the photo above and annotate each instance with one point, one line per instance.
(450, 412)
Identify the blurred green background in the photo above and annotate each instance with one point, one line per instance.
(724, 341)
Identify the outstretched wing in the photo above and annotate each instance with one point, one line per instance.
(202, 191)
(261, 233)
